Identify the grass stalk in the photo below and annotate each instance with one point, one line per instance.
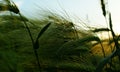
(16, 10)
(113, 35)
(103, 51)
(115, 39)
(103, 7)
(35, 50)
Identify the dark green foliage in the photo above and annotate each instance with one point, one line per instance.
(36, 45)
(76, 46)
(58, 45)
(15, 38)
(103, 63)
(10, 61)
(107, 60)
(20, 44)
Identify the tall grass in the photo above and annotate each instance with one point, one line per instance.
(59, 36)
(108, 61)
(11, 6)
(58, 46)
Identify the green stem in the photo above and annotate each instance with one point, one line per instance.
(35, 51)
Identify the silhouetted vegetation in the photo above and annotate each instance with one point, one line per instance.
(54, 44)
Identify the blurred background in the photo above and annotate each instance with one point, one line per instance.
(87, 10)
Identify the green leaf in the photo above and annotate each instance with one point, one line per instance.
(36, 44)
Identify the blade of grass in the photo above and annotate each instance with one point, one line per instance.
(35, 51)
(29, 32)
(106, 60)
(103, 51)
(103, 63)
(36, 44)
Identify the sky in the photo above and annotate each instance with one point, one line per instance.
(87, 10)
